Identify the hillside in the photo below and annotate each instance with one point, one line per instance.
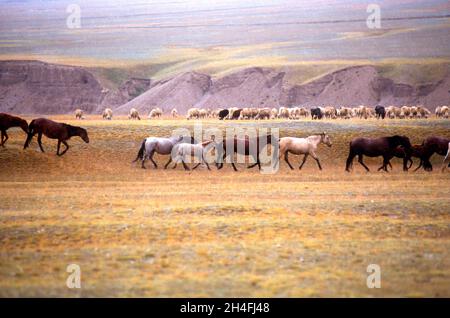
(44, 88)
(36, 87)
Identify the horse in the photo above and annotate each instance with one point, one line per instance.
(430, 146)
(400, 152)
(160, 145)
(54, 130)
(7, 121)
(303, 146)
(374, 147)
(181, 150)
(246, 151)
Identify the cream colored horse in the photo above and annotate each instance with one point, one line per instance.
(303, 146)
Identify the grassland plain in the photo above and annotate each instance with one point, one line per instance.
(167, 233)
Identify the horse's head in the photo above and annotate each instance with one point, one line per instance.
(403, 141)
(24, 125)
(326, 139)
(83, 134)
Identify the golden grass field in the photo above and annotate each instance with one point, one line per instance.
(172, 233)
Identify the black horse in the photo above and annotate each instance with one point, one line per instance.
(380, 111)
(374, 147)
(316, 113)
(223, 114)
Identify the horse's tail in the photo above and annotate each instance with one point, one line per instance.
(140, 154)
(349, 162)
(29, 134)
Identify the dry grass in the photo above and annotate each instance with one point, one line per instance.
(219, 233)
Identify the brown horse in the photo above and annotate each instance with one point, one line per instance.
(416, 152)
(249, 146)
(7, 121)
(54, 130)
(430, 146)
(375, 147)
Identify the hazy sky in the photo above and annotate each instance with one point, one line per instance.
(138, 30)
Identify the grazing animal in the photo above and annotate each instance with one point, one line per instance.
(134, 114)
(235, 113)
(430, 146)
(380, 112)
(283, 112)
(160, 145)
(223, 114)
(243, 147)
(316, 113)
(374, 147)
(303, 146)
(155, 113)
(182, 150)
(193, 113)
(7, 121)
(54, 130)
(107, 114)
(174, 113)
(79, 114)
(263, 113)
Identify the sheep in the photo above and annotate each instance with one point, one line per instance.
(155, 113)
(134, 114)
(107, 114)
(274, 113)
(283, 112)
(264, 113)
(79, 114)
(193, 113)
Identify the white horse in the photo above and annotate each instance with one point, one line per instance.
(182, 150)
(160, 145)
(303, 146)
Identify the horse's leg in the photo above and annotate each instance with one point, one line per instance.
(386, 162)
(360, 160)
(57, 147)
(419, 166)
(185, 165)
(40, 141)
(143, 160)
(313, 154)
(168, 162)
(4, 135)
(207, 165)
(234, 166)
(151, 159)
(303, 161)
(256, 163)
(287, 161)
(65, 150)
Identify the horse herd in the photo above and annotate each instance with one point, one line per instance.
(386, 147)
(293, 113)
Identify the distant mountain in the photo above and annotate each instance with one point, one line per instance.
(42, 88)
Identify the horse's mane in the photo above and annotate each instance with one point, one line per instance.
(396, 140)
(74, 130)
